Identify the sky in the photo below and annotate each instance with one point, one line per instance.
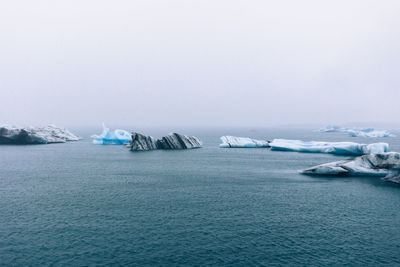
(199, 63)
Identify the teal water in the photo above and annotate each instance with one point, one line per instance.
(79, 204)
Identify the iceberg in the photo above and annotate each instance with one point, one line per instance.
(369, 133)
(107, 137)
(338, 148)
(241, 142)
(178, 141)
(35, 135)
(332, 129)
(173, 141)
(358, 132)
(386, 165)
(142, 142)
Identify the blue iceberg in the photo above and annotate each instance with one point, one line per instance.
(338, 148)
(116, 137)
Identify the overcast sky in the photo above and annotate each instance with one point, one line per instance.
(236, 63)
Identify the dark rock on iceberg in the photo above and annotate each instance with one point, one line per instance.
(141, 142)
(172, 141)
(35, 135)
(386, 165)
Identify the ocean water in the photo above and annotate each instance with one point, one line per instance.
(79, 204)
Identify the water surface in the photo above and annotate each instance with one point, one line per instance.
(81, 204)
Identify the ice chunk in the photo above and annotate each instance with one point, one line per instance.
(173, 141)
(386, 165)
(54, 134)
(339, 148)
(333, 129)
(142, 142)
(116, 137)
(241, 142)
(373, 133)
(358, 132)
(35, 135)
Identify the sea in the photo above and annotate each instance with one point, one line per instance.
(80, 204)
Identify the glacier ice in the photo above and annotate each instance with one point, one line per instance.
(116, 137)
(10, 134)
(241, 142)
(339, 148)
(358, 132)
(385, 165)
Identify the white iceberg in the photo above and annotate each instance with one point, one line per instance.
(241, 142)
(385, 165)
(54, 134)
(333, 129)
(116, 137)
(10, 134)
(370, 133)
(358, 132)
(339, 148)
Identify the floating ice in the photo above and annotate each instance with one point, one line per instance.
(173, 141)
(386, 165)
(339, 148)
(368, 133)
(116, 137)
(241, 142)
(358, 132)
(35, 135)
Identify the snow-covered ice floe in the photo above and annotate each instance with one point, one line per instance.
(10, 134)
(339, 148)
(358, 132)
(241, 142)
(116, 137)
(385, 165)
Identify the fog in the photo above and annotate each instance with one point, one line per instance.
(199, 63)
